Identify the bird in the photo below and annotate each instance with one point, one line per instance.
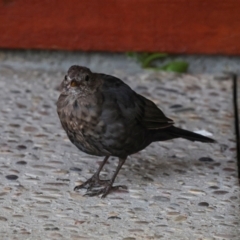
(103, 116)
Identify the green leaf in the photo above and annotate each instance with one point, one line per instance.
(179, 66)
(151, 57)
(129, 54)
(132, 54)
(146, 59)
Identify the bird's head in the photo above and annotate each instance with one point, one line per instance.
(78, 80)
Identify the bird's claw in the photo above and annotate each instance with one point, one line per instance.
(104, 191)
(92, 182)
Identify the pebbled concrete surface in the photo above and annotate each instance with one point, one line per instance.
(176, 189)
(108, 62)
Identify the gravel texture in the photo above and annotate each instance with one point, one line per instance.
(176, 189)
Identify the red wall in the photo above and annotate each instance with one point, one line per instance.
(174, 26)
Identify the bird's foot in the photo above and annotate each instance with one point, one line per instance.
(93, 182)
(104, 191)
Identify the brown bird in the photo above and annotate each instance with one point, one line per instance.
(103, 116)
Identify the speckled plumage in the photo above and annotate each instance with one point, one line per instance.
(103, 116)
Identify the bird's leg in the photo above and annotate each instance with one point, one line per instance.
(94, 181)
(109, 187)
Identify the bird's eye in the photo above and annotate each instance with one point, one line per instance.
(86, 78)
(73, 83)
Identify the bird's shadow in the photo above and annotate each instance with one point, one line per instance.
(148, 170)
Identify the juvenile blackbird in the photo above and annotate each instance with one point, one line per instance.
(103, 116)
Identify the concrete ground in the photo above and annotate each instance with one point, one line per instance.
(108, 62)
(176, 189)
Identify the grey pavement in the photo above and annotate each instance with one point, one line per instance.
(176, 189)
(108, 62)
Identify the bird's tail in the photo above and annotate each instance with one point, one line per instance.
(175, 132)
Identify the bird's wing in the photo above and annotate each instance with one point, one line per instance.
(150, 115)
(134, 106)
